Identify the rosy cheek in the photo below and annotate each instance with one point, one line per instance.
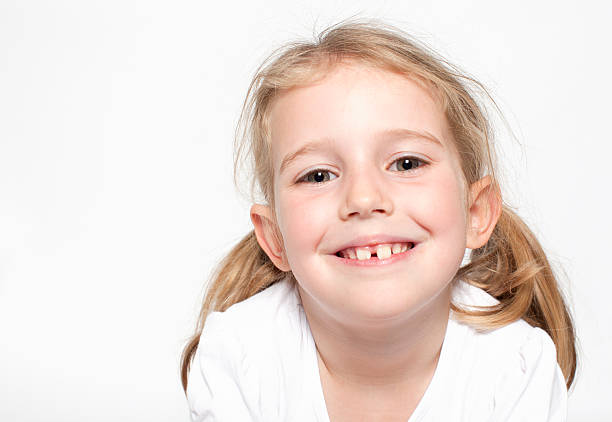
(299, 219)
(449, 211)
(435, 205)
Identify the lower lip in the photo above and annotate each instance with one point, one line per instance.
(374, 262)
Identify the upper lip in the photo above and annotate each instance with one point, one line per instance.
(372, 240)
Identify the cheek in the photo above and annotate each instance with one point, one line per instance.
(447, 207)
(437, 206)
(302, 222)
(437, 209)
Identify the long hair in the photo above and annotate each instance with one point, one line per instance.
(511, 266)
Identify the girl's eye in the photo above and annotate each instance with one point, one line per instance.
(317, 176)
(408, 163)
(404, 164)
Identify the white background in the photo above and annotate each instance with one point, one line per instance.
(116, 196)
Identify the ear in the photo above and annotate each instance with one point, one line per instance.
(268, 236)
(485, 209)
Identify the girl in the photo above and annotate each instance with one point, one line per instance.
(348, 301)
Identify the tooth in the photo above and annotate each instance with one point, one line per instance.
(404, 247)
(363, 254)
(351, 253)
(383, 252)
(397, 248)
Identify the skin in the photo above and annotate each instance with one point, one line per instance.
(378, 330)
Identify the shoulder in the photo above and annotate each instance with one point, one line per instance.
(244, 354)
(245, 336)
(530, 384)
(258, 315)
(518, 363)
(512, 338)
(255, 323)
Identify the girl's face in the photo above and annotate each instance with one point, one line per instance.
(362, 159)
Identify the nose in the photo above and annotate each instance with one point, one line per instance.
(365, 195)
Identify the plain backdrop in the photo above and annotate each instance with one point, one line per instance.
(116, 194)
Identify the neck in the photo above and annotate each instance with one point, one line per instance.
(360, 356)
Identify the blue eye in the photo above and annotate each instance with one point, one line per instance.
(408, 163)
(317, 176)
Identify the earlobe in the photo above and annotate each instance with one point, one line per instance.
(485, 209)
(268, 235)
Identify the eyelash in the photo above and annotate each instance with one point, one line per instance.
(303, 179)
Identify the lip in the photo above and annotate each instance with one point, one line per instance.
(375, 261)
(375, 239)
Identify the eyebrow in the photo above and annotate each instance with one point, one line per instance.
(388, 135)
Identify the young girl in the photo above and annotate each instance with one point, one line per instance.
(348, 301)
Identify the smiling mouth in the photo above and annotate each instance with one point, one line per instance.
(381, 251)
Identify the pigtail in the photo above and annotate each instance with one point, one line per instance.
(245, 271)
(513, 267)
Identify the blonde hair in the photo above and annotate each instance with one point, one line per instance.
(511, 266)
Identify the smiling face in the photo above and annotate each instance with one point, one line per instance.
(362, 158)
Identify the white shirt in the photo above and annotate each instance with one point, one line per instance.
(257, 361)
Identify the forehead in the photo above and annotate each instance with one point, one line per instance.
(353, 103)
